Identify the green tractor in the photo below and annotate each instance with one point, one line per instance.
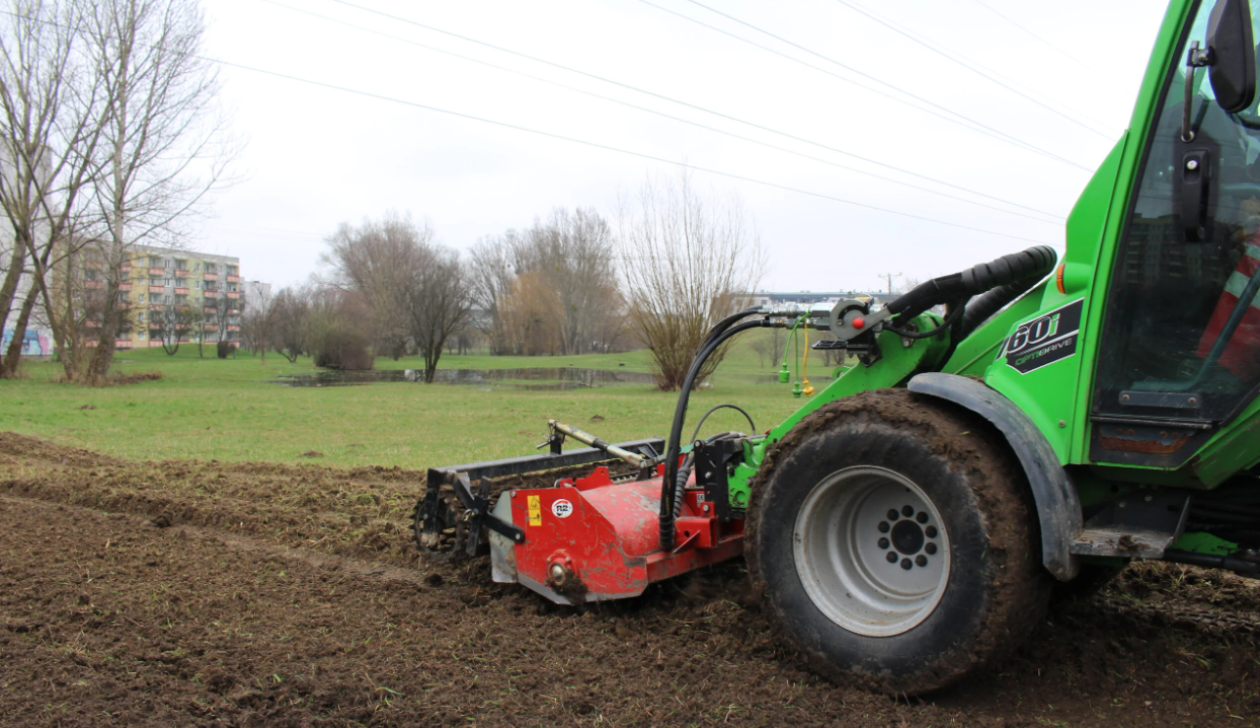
(1026, 425)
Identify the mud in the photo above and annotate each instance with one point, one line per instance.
(290, 596)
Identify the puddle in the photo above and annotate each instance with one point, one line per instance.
(536, 379)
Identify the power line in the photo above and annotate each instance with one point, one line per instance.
(1000, 135)
(597, 145)
(974, 70)
(1060, 51)
(663, 97)
(606, 147)
(965, 59)
(706, 127)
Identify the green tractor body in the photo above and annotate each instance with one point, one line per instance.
(1060, 418)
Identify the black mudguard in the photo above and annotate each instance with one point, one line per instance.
(1058, 506)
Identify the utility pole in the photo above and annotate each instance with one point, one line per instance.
(890, 277)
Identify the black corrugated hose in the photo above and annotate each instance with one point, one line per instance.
(717, 336)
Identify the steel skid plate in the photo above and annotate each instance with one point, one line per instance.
(591, 539)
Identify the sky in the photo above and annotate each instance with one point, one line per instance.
(863, 138)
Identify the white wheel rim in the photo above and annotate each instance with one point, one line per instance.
(869, 572)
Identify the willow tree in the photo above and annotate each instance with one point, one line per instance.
(687, 261)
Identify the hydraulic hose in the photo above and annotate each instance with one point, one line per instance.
(983, 307)
(725, 324)
(1028, 265)
(713, 342)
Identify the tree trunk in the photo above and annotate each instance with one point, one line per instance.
(8, 368)
(8, 290)
(98, 366)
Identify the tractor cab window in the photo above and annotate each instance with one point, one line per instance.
(1181, 339)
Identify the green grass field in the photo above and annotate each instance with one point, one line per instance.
(212, 409)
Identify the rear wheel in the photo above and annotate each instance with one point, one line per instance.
(895, 542)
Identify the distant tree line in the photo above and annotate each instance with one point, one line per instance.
(568, 284)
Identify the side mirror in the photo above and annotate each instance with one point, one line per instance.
(1233, 55)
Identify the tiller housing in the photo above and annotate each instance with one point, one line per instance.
(587, 538)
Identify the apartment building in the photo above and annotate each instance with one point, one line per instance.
(207, 285)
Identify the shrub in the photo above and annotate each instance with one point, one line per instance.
(343, 349)
(226, 349)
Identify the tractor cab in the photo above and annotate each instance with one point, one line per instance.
(1180, 345)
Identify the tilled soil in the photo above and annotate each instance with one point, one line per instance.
(190, 593)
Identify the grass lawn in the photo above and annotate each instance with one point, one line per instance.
(227, 410)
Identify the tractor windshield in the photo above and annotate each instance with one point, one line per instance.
(1182, 334)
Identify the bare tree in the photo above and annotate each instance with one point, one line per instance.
(564, 270)
(287, 322)
(437, 302)
(108, 137)
(256, 325)
(491, 271)
(164, 147)
(53, 114)
(416, 288)
(172, 324)
(687, 262)
(528, 316)
(572, 253)
(376, 260)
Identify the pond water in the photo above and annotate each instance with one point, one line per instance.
(536, 378)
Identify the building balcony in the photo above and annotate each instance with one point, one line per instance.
(157, 307)
(122, 344)
(94, 285)
(212, 276)
(179, 273)
(211, 310)
(234, 312)
(156, 289)
(154, 325)
(90, 343)
(154, 342)
(210, 294)
(125, 267)
(157, 271)
(92, 324)
(181, 291)
(210, 326)
(124, 286)
(94, 265)
(233, 279)
(233, 294)
(233, 327)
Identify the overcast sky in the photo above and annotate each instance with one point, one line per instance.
(317, 156)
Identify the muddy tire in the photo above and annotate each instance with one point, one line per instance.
(895, 542)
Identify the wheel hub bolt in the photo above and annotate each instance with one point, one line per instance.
(909, 537)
